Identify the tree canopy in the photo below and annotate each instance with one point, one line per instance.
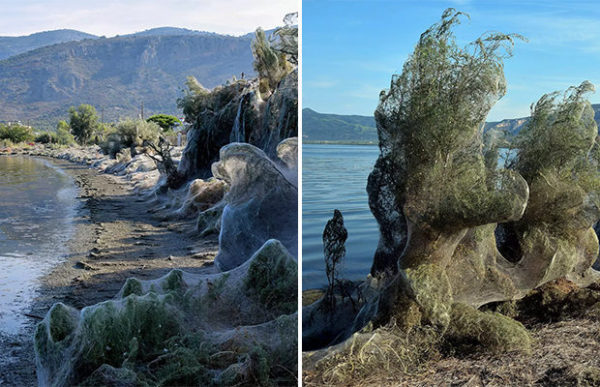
(165, 121)
(83, 121)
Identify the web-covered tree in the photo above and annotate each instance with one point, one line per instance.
(261, 112)
(274, 58)
(458, 232)
(334, 251)
(433, 184)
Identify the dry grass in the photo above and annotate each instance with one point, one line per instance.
(386, 350)
(563, 353)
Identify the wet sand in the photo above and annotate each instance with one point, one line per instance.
(119, 234)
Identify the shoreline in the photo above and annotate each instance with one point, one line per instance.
(118, 234)
(341, 142)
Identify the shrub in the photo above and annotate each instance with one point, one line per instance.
(44, 138)
(135, 132)
(63, 134)
(129, 133)
(16, 133)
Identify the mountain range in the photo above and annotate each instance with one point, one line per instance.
(14, 45)
(322, 127)
(46, 73)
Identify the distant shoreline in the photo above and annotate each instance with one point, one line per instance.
(341, 142)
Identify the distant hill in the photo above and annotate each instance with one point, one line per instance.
(320, 127)
(117, 74)
(337, 128)
(14, 45)
(513, 126)
(170, 31)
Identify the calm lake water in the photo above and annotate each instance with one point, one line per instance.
(37, 205)
(335, 176)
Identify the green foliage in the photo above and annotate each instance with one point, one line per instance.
(112, 144)
(217, 288)
(83, 121)
(199, 99)
(108, 329)
(128, 133)
(434, 113)
(174, 281)
(272, 279)
(63, 134)
(270, 64)
(136, 132)
(433, 293)
(107, 375)
(44, 138)
(557, 157)
(286, 38)
(62, 322)
(6, 143)
(274, 58)
(16, 133)
(132, 286)
(165, 121)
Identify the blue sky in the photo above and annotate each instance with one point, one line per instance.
(112, 17)
(351, 48)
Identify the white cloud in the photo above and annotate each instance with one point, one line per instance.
(112, 17)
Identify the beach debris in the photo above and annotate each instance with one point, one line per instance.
(84, 266)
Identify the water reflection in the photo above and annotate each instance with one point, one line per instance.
(37, 204)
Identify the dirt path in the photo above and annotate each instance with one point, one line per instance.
(118, 235)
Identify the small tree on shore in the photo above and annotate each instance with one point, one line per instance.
(165, 121)
(83, 121)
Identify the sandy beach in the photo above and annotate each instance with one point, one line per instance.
(119, 234)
